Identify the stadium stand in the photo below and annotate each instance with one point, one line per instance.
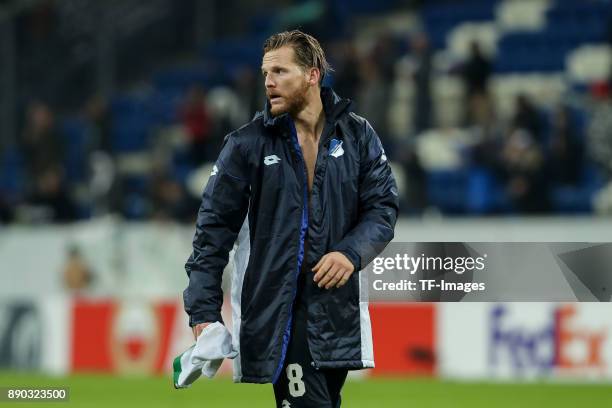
(549, 51)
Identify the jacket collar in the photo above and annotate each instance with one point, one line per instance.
(333, 105)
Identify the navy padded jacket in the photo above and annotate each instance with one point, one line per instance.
(257, 195)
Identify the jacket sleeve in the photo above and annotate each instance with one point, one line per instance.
(221, 214)
(378, 205)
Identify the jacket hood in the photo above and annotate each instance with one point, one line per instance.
(333, 105)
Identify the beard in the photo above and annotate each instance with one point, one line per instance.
(293, 103)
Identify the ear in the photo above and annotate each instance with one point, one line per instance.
(314, 75)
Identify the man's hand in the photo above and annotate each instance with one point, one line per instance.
(197, 329)
(333, 269)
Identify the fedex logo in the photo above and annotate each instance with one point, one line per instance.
(561, 343)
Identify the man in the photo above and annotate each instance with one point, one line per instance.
(307, 190)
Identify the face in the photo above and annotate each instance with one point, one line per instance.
(286, 82)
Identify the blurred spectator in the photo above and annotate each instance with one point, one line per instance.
(346, 75)
(422, 71)
(600, 129)
(385, 54)
(197, 123)
(371, 102)
(475, 73)
(102, 174)
(480, 110)
(415, 188)
(522, 164)
(565, 152)
(43, 152)
(51, 197)
(77, 274)
(599, 135)
(171, 201)
(250, 92)
(41, 144)
(5, 212)
(527, 117)
(227, 112)
(485, 152)
(99, 121)
(376, 79)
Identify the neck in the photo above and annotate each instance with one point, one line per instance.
(310, 120)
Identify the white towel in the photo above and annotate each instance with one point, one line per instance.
(204, 357)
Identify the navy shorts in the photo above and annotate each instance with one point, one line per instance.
(300, 384)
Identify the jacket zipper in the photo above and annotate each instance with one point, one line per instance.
(326, 135)
(300, 260)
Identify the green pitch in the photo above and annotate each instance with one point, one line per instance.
(112, 392)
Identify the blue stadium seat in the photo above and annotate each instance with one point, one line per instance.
(447, 190)
(578, 199)
(569, 24)
(181, 165)
(440, 17)
(485, 194)
(164, 105)
(182, 78)
(135, 203)
(131, 124)
(231, 52)
(12, 177)
(532, 52)
(130, 134)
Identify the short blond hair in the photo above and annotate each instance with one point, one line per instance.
(308, 51)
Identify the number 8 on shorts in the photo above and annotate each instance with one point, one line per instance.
(296, 385)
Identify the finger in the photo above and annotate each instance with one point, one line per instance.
(323, 270)
(318, 265)
(324, 274)
(335, 279)
(333, 270)
(345, 277)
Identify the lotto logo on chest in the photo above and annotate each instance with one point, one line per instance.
(270, 160)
